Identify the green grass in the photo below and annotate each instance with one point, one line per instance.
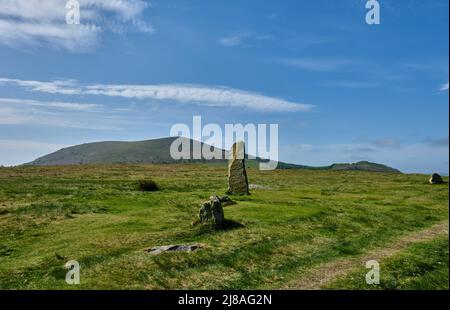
(97, 216)
(423, 266)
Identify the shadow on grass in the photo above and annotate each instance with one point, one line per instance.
(208, 228)
(440, 183)
(230, 224)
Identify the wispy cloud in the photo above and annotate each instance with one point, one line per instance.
(199, 94)
(11, 116)
(18, 116)
(387, 143)
(353, 84)
(322, 65)
(65, 87)
(32, 22)
(442, 142)
(71, 106)
(444, 87)
(243, 38)
(193, 94)
(78, 38)
(17, 111)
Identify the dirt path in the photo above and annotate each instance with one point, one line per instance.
(323, 274)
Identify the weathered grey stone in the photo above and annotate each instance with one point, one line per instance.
(173, 248)
(224, 200)
(237, 175)
(436, 179)
(212, 212)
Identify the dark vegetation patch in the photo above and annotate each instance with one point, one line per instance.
(147, 186)
(5, 250)
(58, 209)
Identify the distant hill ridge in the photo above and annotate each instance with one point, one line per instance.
(157, 151)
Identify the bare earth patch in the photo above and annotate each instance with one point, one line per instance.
(319, 276)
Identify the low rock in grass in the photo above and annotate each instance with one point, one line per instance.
(212, 212)
(147, 186)
(436, 179)
(173, 248)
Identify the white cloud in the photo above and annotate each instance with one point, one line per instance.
(194, 94)
(73, 106)
(444, 87)
(15, 152)
(243, 37)
(353, 84)
(32, 22)
(15, 111)
(76, 39)
(322, 65)
(65, 87)
(10, 116)
(234, 40)
(38, 10)
(198, 94)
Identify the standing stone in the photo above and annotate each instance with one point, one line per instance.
(237, 176)
(436, 179)
(212, 212)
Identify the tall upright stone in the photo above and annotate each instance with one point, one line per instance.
(237, 175)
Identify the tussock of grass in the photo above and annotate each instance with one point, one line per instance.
(147, 186)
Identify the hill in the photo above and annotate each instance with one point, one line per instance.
(111, 152)
(157, 151)
(363, 166)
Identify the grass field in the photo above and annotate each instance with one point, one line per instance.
(302, 220)
(424, 266)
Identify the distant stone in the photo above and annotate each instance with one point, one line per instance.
(257, 186)
(212, 212)
(173, 248)
(436, 179)
(237, 175)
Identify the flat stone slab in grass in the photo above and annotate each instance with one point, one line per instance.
(173, 248)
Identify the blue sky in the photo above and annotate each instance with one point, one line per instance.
(341, 90)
